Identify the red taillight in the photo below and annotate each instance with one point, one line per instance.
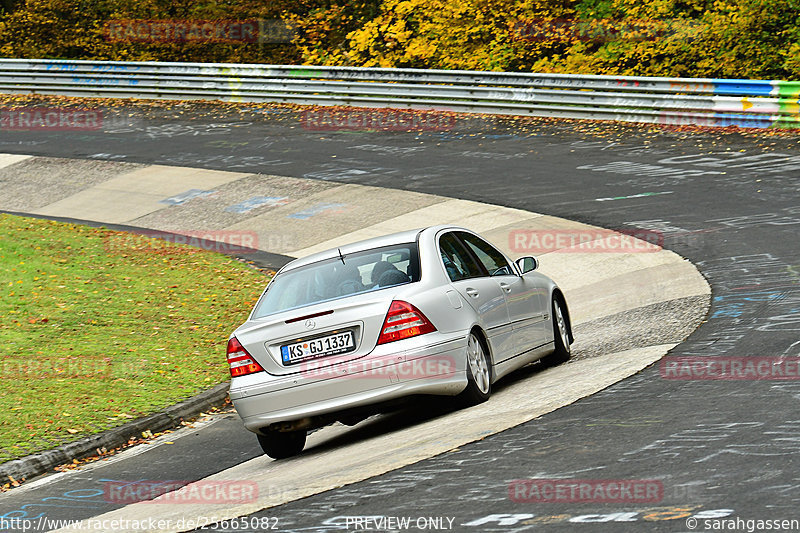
(403, 321)
(242, 363)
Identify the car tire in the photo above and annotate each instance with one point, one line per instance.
(562, 351)
(479, 373)
(282, 444)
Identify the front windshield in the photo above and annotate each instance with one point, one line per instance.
(355, 273)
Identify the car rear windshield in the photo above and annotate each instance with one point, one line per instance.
(354, 273)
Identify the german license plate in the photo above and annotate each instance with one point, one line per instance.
(319, 347)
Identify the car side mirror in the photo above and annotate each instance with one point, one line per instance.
(527, 264)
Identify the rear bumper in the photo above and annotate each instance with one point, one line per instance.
(438, 369)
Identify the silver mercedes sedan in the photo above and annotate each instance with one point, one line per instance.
(350, 332)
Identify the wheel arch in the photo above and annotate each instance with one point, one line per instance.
(483, 339)
(558, 295)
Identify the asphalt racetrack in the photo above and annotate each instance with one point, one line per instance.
(721, 449)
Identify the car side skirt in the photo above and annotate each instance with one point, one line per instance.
(519, 360)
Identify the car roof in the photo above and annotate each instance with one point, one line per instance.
(401, 237)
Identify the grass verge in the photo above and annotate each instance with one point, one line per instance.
(98, 327)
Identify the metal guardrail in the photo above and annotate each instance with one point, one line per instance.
(677, 101)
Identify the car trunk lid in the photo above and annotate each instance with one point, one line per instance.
(317, 336)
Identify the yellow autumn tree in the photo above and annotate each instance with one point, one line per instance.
(450, 34)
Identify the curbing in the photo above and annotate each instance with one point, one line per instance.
(39, 463)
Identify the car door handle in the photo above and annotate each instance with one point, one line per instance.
(505, 286)
(472, 292)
